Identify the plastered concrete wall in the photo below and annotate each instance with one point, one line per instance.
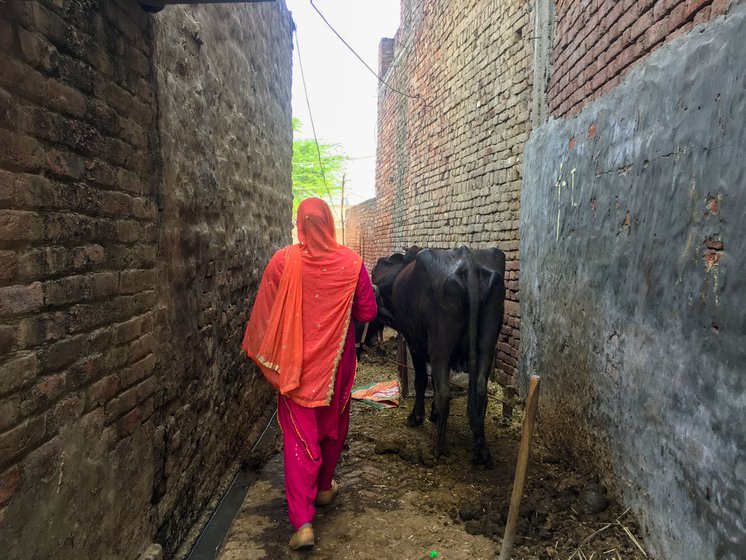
(448, 168)
(144, 183)
(632, 294)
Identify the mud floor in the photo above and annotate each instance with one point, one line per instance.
(397, 501)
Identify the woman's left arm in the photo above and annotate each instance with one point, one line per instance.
(364, 308)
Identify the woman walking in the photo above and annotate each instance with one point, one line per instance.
(301, 337)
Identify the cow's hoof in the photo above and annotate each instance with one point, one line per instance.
(413, 420)
(440, 451)
(483, 457)
(433, 416)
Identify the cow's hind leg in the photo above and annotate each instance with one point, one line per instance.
(417, 416)
(476, 410)
(441, 401)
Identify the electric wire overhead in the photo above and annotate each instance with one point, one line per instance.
(310, 116)
(379, 78)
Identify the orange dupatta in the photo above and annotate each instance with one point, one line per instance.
(298, 326)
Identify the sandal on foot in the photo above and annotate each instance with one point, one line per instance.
(302, 539)
(326, 497)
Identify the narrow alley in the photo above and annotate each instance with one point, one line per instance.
(556, 196)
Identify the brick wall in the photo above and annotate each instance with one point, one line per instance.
(449, 164)
(131, 243)
(598, 41)
(224, 75)
(360, 232)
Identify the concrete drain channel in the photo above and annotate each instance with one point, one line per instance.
(211, 539)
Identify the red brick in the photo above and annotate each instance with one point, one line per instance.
(16, 300)
(683, 30)
(129, 182)
(9, 411)
(703, 15)
(64, 163)
(127, 231)
(719, 7)
(71, 289)
(121, 404)
(38, 329)
(45, 261)
(693, 6)
(656, 33)
(138, 371)
(133, 281)
(116, 203)
(141, 347)
(23, 437)
(104, 284)
(64, 99)
(677, 17)
(20, 152)
(102, 391)
(21, 79)
(8, 265)
(99, 340)
(663, 7)
(129, 422)
(17, 225)
(116, 357)
(35, 50)
(83, 257)
(643, 23)
(87, 370)
(49, 389)
(71, 228)
(75, 73)
(63, 353)
(147, 388)
(99, 172)
(128, 330)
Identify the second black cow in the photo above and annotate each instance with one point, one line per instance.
(448, 306)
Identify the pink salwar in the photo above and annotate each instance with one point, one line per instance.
(313, 438)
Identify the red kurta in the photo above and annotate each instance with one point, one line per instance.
(300, 335)
(298, 325)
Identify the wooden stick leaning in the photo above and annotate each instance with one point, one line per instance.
(529, 418)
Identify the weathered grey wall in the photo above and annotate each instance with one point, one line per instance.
(224, 74)
(632, 288)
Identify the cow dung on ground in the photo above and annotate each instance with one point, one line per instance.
(400, 502)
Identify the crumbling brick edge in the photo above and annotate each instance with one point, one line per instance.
(154, 552)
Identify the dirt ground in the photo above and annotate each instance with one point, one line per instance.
(397, 501)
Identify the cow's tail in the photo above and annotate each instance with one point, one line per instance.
(473, 290)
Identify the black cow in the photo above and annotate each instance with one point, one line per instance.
(448, 306)
(367, 335)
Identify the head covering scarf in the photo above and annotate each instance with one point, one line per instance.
(297, 329)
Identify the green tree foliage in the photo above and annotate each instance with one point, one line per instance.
(308, 179)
